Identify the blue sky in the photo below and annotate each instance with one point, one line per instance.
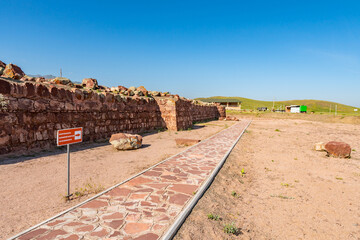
(256, 49)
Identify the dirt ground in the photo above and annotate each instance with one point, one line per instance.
(33, 187)
(318, 117)
(288, 191)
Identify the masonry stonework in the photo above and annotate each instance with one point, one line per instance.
(31, 113)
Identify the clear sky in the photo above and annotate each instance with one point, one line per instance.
(256, 49)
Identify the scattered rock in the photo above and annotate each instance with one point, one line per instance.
(90, 83)
(138, 93)
(123, 141)
(27, 78)
(320, 146)
(2, 67)
(143, 90)
(13, 71)
(186, 142)
(231, 118)
(40, 79)
(338, 149)
(155, 93)
(132, 89)
(61, 80)
(122, 89)
(130, 93)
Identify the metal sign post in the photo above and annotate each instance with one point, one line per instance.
(67, 137)
(68, 158)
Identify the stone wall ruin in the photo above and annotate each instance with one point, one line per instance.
(32, 110)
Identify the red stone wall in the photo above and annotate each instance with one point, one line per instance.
(168, 112)
(221, 111)
(31, 113)
(202, 113)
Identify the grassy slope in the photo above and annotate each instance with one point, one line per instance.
(313, 105)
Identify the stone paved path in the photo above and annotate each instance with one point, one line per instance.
(146, 206)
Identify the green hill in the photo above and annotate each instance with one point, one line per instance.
(313, 105)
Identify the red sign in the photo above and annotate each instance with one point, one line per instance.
(69, 136)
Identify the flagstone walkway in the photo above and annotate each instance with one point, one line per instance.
(147, 205)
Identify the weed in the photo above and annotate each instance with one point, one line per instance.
(272, 160)
(226, 126)
(296, 181)
(161, 129)
(267, 169)
(87, 189)
(285, 184)
(194, 192)
(243, 172)
(353, 150)
(241, 181)
(277, 130)
(231, 229)
(165, 156)
(281, 196)
(339, 178)
(233, 193)
(295, 158)
(213, 217)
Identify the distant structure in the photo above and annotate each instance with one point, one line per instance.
(229, 103)
(262, 109)
(296, 109)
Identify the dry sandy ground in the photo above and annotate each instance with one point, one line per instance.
(289, 190)
(33, 187)
(318, 117)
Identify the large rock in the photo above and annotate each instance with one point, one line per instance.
(123, 141)
(13, 71)
(90, 83)
(338, 149)
(186, 142)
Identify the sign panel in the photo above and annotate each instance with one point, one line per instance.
(69, 136)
